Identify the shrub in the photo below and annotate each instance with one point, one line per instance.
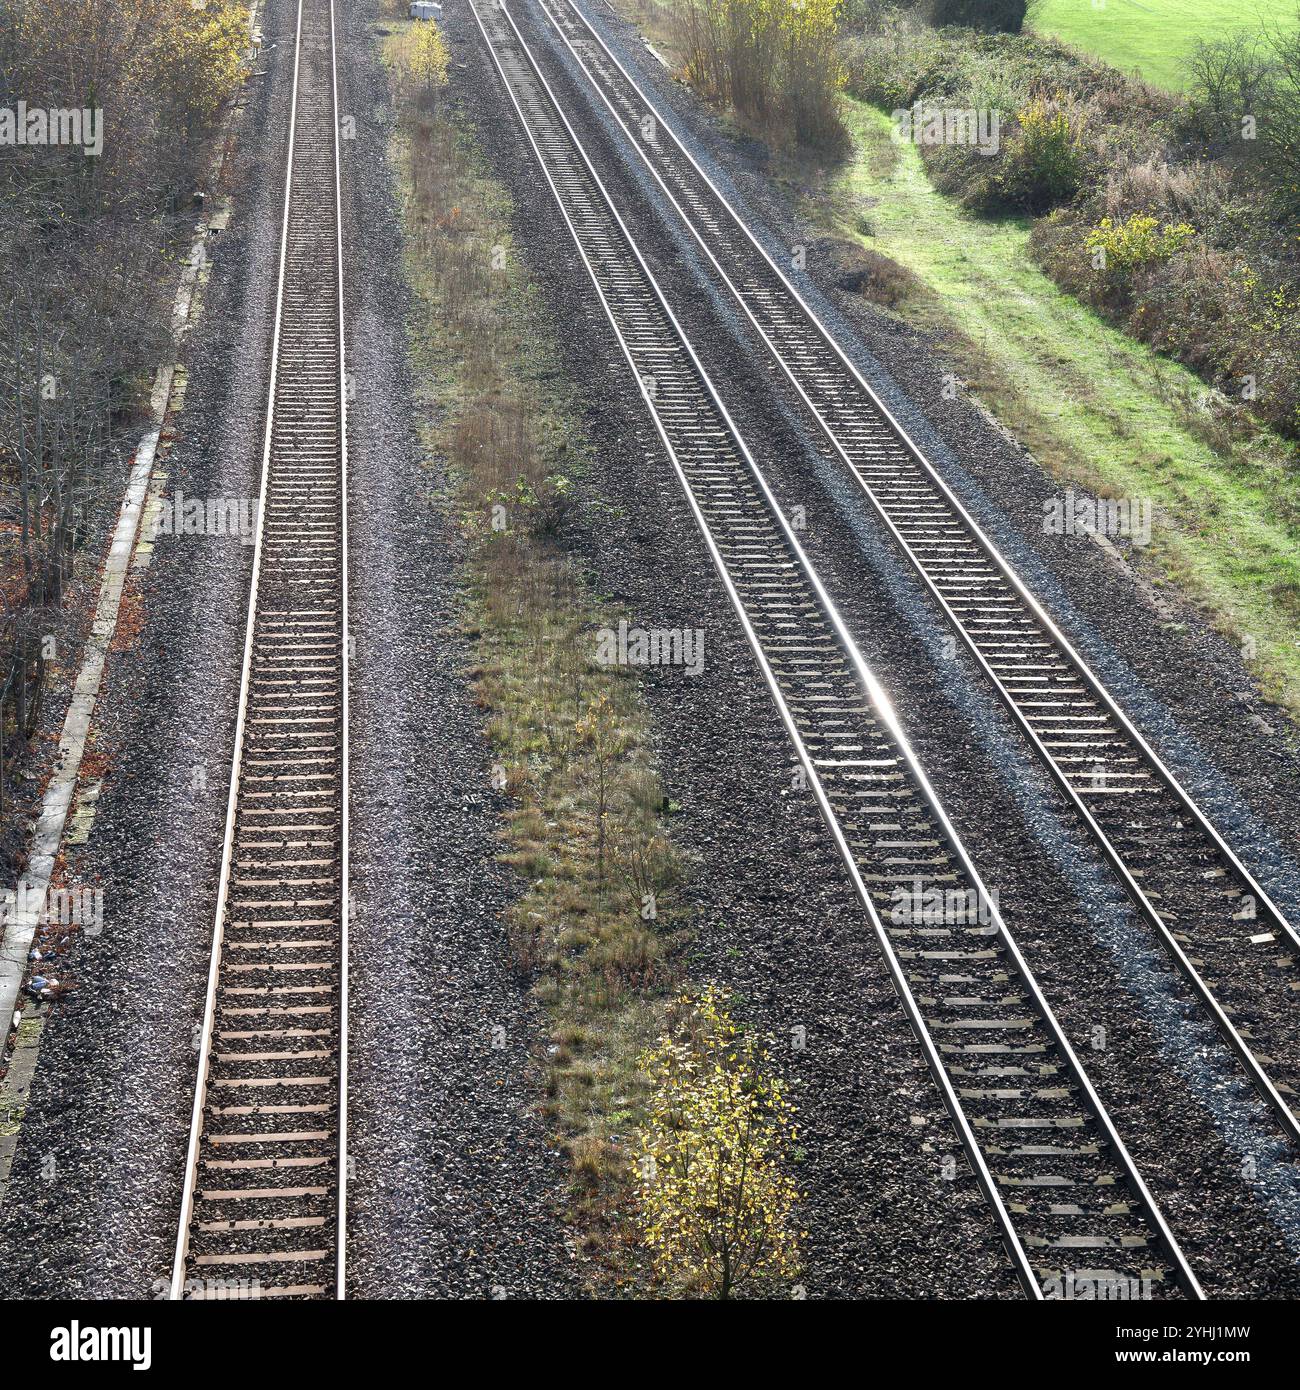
(877, 278)
(428, 57)
(422, 62)
(811, 74)
(891, 68)
(870, 15)
(1244, 104)
(1195, 193)
(775, 62)
(716, 1205)
(1044, 162)
(1227, 79)
(1279, 126)
(1231, 324)
(1123, 247)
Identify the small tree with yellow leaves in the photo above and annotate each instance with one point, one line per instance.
(428, 59)
(717, 1207)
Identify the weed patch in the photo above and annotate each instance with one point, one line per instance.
(595, 924)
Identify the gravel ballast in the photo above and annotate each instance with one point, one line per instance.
(1192, 1125)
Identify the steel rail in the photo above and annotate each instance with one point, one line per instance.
(345, 660)
(1283, 1109)
(292, 655)
(816, 770)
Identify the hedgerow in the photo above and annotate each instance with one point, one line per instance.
(1107, 164)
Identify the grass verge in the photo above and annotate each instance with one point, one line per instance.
(584, 815)
(1094, 406)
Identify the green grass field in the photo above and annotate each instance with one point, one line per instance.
(1154, 36)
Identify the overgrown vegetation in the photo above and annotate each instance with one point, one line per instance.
(774, 61)
(1194, 203)
(586, 817)
(717, 1202)
(88, 230)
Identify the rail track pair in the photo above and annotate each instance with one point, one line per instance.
(264, 1205)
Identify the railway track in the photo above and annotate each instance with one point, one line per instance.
(1067, 1197)
(1225, 935)
(264, 1200)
